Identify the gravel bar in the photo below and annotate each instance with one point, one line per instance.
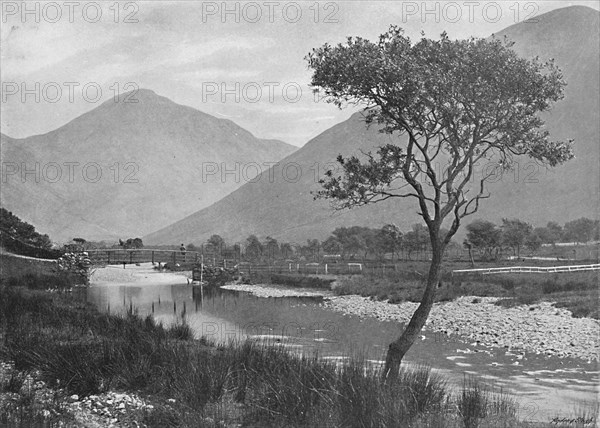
(539, 328)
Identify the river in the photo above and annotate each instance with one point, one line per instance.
(544, 387)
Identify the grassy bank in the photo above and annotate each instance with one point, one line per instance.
(577, 291)
(73, 349)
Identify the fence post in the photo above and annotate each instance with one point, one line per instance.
(152, 256)
(174, 257)
(325, 268)
(131, 257)
(108, 253)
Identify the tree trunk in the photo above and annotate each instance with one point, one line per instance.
(400, 346)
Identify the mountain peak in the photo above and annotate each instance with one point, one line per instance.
(140, 95)
(573, 23)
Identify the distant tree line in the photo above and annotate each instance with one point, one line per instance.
(356, 242)
(485, 238)
(489, 239)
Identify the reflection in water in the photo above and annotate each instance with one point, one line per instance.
(302, 326)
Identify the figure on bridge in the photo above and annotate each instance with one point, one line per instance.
(182, 249)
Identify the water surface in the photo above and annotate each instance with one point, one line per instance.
(544, 386)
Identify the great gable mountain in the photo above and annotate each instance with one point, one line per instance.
(280, 203)
(127, 168)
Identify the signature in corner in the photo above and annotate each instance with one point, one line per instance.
(577, 420)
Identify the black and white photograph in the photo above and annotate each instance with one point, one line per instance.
(328, 214)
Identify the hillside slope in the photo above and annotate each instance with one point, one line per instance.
(124, 169)
(285, 208)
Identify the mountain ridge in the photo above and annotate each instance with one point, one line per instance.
(153, 157)
(287, 212)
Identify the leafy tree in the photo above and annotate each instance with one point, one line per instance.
(484, 236)
(271, 247)
(286, 250)
(217, 243)
(368, 240)
(456, 103)
(533, 241)
(22, 231)
(390, 237)
(514, 234)
(416, 240)
(236, 251)
(352, 240)
(581, 230)
(555, 232)
(254, 249)
(131, 243)
(545, 235)
(313, 246)
(332, 245)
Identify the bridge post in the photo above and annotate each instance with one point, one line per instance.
(152, 256)
(131, 257)
(174, 257)
(108, 252)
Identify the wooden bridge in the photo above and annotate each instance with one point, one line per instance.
(530, 269)
(143, 255)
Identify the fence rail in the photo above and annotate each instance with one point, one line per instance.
(530, 269)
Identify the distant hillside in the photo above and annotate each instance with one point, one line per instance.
(125, 169)
(285, 209)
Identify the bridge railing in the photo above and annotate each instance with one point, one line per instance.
(142, 255)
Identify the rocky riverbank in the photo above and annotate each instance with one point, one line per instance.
(538, 328)
(273, 290)
(53, 406)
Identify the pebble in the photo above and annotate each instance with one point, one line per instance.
(273, 290)
(545, 329)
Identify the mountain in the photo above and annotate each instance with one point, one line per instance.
(280, 205)
(127, 168)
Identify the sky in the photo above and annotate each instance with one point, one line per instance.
(243, 61)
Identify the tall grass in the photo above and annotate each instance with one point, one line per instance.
(86, 352)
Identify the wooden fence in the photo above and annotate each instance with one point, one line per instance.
(146, 255)
(529, 269)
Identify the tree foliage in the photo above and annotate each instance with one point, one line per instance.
(515, 233)
(131, 243)
(455, 103)
(271, 247)
(416, 239)
(216, 244)
(254, 249)
(581, 230)
(390, 239)
(484, 236)
(22, 231)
